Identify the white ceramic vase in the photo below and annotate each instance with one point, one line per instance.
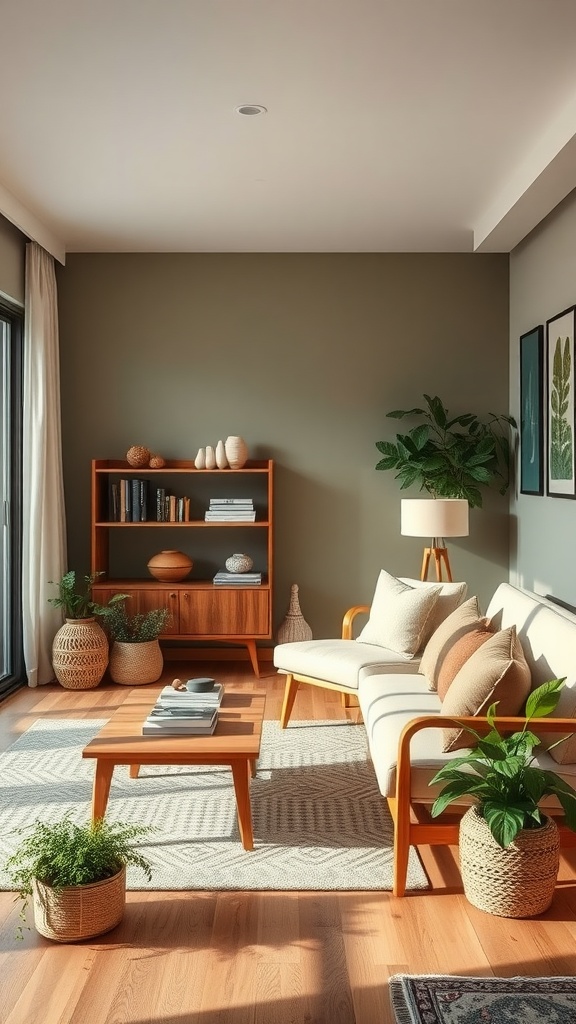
(236, 451)
(221, 460)
(210, 457)
(200, 460)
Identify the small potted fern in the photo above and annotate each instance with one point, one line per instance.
(136, 657)
(75, 875)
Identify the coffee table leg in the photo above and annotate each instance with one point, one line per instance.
(134, 769)
(102, 780)
(253, 767)
(241, 775)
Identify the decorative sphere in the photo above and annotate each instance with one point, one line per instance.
(137, 456)
(239, 563)
(156, 462)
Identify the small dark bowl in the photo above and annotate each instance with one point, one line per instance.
(200, 685)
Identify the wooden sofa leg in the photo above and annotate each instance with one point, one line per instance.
(290, 691)
(401, 819)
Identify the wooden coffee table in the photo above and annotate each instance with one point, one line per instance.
(235, 742)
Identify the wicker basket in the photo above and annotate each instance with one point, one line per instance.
(136, 664)
(80, 654)
(518, 881)
(79, 911)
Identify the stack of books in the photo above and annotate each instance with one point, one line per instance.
(230, 510)
(241, 579)
(181, 713)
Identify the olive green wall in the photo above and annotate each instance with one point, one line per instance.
(302, 355)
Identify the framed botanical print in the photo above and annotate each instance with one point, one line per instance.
(532, 411)
(561, 478)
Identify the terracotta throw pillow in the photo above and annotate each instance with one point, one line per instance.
(459, 653)
(464, 618)
(497, 671)
(398, 615)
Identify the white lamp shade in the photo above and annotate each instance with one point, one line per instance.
(434, 517)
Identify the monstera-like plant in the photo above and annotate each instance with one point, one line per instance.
(450, 456)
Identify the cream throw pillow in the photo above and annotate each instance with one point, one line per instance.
(450, 597)
(398, 615)
(466, 617)
(497, 671)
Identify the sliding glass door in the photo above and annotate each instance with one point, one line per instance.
(11, 660)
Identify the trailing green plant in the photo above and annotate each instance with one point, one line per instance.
(450, 456)
(135, 629)
(500, 774)
(76, 599)
(62, 853)
(561, 439)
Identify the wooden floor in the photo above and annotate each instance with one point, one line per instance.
(262, 958)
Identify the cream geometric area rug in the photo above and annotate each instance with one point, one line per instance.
(319, 819)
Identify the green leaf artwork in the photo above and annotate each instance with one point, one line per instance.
(561, 434)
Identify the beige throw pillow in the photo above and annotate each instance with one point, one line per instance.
(458, 655)
(497, 671)
(398, 615)
(451, 595)
(466, 617)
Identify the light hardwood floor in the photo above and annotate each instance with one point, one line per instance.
(262, 958)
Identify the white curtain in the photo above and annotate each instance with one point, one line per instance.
(44, 526)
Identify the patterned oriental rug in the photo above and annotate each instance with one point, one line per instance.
(441, 999)
(319, 820)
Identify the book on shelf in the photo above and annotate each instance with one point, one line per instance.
(229, 517)
(235, 502)
(239, 579)
(114, 502)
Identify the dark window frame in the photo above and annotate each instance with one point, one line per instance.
(14, 315)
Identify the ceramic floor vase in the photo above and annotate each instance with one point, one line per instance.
(80, 654)
(517, 881)
(79, 911)
(135, 664)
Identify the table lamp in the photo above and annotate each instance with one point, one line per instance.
(436, 518)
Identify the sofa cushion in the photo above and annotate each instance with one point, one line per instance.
(450, 597)
(399, 615)
(458, 655)
(497, 671)
(336, 661)
(466, 617)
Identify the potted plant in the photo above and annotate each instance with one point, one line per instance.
(80, 647)
(509, 849)
(136, 656)
(75, 875)
(450, 457)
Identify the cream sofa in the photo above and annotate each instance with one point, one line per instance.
(403, 717)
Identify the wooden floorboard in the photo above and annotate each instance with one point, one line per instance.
(262, 958)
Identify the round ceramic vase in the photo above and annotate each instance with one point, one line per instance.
(236, 451)
(170, 566)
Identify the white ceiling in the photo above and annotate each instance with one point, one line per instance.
(392, 125)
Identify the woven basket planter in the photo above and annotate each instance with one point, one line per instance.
(80, 654)
(518, 881)
(79, 911)
(136, 664)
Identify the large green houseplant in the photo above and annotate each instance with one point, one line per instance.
(500, 833)
(450, 456)
(75, 875)
(80, 647)
(136, 656)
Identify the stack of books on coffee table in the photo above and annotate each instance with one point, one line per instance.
(181, 713)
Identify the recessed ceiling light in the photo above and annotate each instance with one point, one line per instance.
(248, 109)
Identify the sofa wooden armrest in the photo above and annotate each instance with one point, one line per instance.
(443, 830)
(348, 620)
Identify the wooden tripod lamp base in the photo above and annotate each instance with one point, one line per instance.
(439, 555)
